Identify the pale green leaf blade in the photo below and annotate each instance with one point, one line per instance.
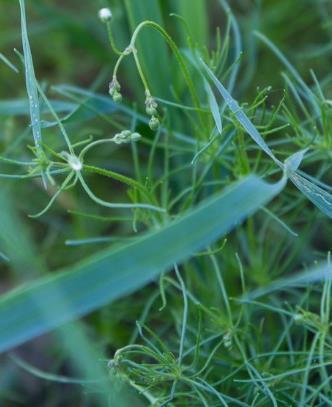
(20, 107)
(196, 16)
(213, 107)
(316, 274)
(112, 274)
(30, 80)
(318, 196)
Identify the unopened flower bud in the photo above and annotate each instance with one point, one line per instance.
(117, 97)
(126, 136)
(114, 86)
(135, 136)
(151, 105)
(105, 15)
(227, 340)
(122, 137)
(154, 123)
(151, 111)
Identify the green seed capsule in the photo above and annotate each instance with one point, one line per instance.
(135, 136)
(154, 123)
(151, 105)
(117, 97)
(114, 86)
(151, 111)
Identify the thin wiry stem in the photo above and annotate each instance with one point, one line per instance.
(54, 197)
(115, 205)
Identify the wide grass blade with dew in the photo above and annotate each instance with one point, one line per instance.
(112, 274)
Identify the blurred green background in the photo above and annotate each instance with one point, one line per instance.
(70, 45)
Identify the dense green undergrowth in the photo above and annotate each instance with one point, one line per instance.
(166, 203)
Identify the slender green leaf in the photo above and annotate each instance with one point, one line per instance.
(213, 106)
(318, 196)
(237, 45)
(30, 79)
(8, 63)
(20, 107)
(314, 275)
(240, 115)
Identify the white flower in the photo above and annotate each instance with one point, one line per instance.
(105, 15)
(74, 162)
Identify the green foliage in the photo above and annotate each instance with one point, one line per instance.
(111, 274)
(143, 259)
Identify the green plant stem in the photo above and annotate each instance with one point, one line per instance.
(111, 38)
(174, 49)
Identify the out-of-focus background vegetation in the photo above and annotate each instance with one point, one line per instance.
(70, 46)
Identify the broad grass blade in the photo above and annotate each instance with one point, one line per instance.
(195, 14)
(112, 274)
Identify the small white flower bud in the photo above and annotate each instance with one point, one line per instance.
(105, 15)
